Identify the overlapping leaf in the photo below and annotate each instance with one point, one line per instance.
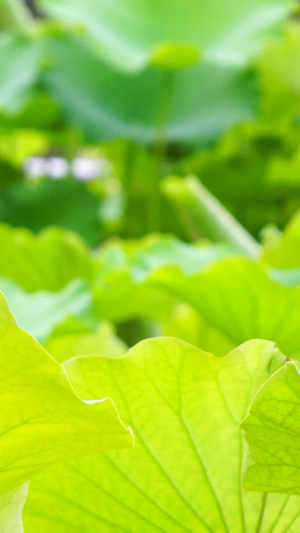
(42, 421)
(273, 433)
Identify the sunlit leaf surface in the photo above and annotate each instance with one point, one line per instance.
(184, 473)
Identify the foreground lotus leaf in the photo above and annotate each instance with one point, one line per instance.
(42, 420)
(184, 474)
(273, 432)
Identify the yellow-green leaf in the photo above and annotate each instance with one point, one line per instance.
(42, 420)
(184, 474)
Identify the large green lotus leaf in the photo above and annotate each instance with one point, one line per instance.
(172, 33)
(184, 473)
(11, 509)
(282, 250)
(40, 312)
(238, 298)
(107, 103)
(42, 420)
(48, 261)
(74, 337)
(273, 433)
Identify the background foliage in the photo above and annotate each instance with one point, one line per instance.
(149, 189)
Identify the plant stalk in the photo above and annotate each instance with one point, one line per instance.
(128, 186)
(160, 146)
(206, 216)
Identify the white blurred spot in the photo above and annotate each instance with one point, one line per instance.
(58, 167)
